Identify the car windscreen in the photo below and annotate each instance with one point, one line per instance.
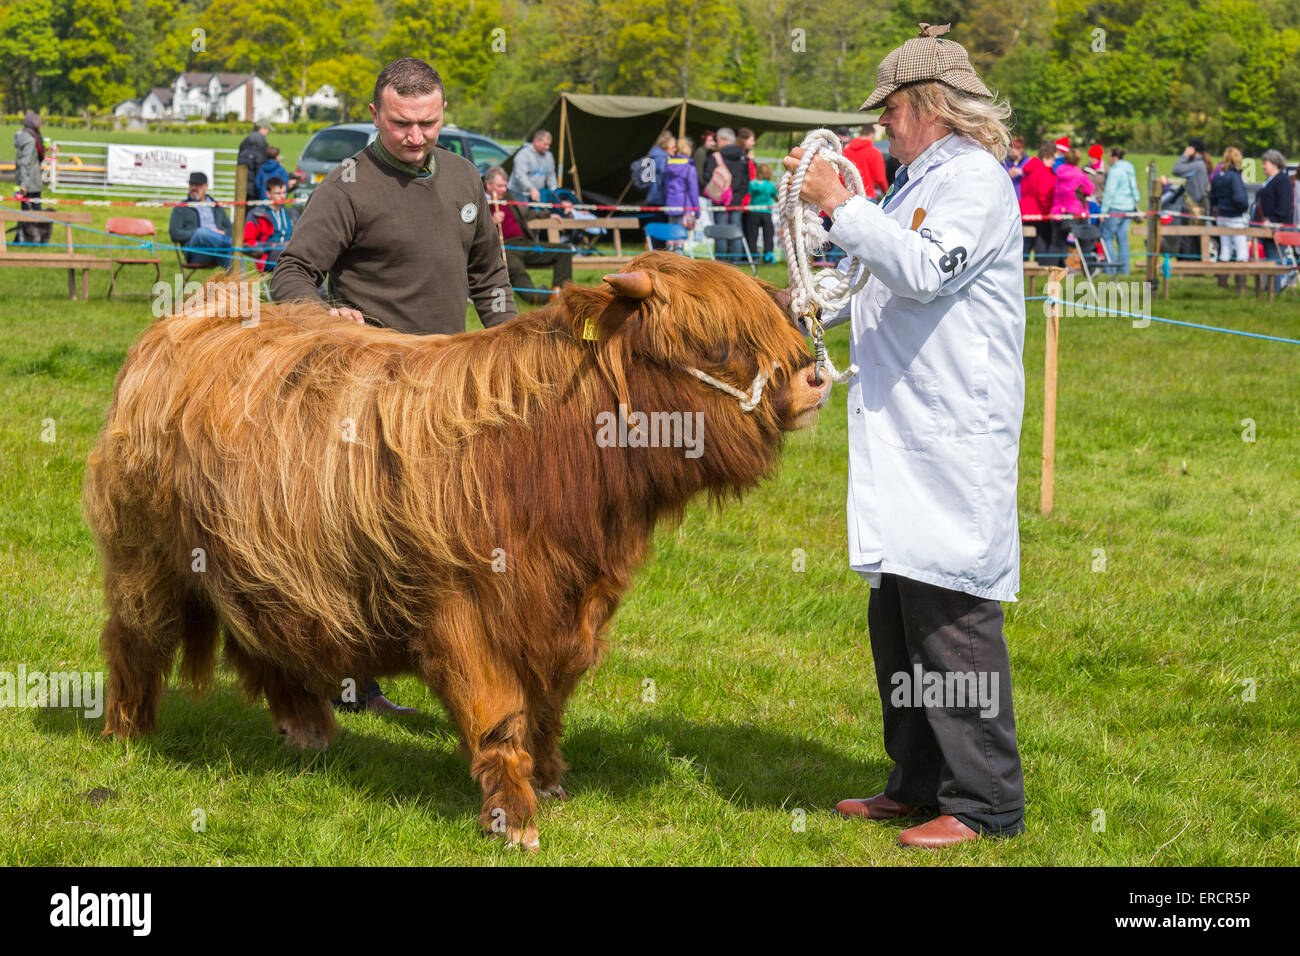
(484, 153)
(335, 145)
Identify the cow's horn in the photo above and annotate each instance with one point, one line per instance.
(634, 285)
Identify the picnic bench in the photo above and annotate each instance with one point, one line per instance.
(556, 225)
(68, 259)
(1261, 269)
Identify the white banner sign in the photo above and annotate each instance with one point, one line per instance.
(157, 165)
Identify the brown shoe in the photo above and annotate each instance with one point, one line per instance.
(879, 807)
(383, 705)
(939, 832)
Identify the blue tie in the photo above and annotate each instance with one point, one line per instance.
(900, 180)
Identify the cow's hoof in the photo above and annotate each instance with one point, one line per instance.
(308, 738)
(527, 838)
(552, 793)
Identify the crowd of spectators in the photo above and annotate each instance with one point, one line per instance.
(1059, 189)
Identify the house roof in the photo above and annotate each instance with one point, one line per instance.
(163, 94)
(227, 81)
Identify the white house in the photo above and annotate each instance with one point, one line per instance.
(157, 104)
(244, 94)
(324, 98)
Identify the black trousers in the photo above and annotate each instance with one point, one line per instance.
(33, 232)
(953, 748)
(1060, 246)
(754, 223)
(558, 256)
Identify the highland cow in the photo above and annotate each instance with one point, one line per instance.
(346, 501)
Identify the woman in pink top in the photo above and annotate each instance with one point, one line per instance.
(1072, 184)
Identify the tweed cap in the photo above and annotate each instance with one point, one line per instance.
(926, 57)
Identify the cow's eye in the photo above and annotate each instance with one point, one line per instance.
(720, 354)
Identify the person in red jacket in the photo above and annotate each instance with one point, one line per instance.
(269, 228)
(863, 154)
(1037, 187)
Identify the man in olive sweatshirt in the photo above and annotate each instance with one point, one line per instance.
(402, 230)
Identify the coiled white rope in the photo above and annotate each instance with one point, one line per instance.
(802, 233)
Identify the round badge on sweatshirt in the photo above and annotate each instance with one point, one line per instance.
(468, 212)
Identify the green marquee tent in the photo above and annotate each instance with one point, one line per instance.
(597, 138)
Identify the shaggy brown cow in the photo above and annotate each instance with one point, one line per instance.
(352, 502)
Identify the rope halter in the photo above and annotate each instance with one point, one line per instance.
(747, 402)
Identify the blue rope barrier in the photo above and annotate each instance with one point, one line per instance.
(1156, 318)
(145, 245)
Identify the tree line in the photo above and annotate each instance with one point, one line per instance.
(1144, 73)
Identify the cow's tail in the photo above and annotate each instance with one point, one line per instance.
(200, 629)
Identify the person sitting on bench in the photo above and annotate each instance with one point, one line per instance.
(523, 249)
(203, 224)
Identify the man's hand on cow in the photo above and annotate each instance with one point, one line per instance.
(352, 314)
(821, 184)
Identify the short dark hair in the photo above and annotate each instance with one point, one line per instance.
(408, 76)
(273, 152)
(744, 133)
(274, 182)
(540, 133)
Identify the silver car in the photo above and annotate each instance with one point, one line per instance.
(333, 144)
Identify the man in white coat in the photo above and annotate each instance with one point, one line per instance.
(934, 432)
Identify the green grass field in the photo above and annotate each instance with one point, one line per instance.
(1129, 672)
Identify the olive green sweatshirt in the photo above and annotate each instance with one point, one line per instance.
(407, 251)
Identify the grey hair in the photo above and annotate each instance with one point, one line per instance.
(725, 134)
(984, 121)
(496, 172)
(1275, 157)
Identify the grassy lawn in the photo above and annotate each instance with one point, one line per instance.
(1164, 580)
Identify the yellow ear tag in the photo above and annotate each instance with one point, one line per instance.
(589, 328)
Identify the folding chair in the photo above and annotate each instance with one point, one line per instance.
(727, 231)
(135, 228)
(669, 232)
(1288, 248)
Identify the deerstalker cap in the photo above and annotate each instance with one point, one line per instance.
(926, 57)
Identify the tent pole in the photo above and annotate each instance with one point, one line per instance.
(681, 126)
(577, 183)
(564, 122)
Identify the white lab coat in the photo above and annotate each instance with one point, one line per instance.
(935, 409)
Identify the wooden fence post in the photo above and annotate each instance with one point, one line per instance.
(237, 220)
(1153, 213)
(1054, 277)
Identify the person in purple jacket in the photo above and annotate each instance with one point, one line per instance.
(681, 187)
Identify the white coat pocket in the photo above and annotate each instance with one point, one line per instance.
(904, 408)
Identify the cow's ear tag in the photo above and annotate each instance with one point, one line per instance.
(589, 328)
